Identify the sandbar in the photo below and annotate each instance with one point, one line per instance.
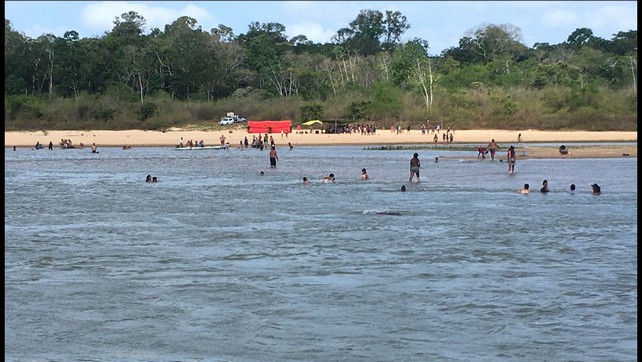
(621, 144)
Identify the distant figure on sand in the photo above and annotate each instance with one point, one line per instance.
(415, 164)
(596, 189)
(524, 190)
(273, 157)
(510, 158)
(364, 174)
(50, 145)
(519, 138)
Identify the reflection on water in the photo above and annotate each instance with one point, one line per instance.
(216, 262)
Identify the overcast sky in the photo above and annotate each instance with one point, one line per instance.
(441, 23)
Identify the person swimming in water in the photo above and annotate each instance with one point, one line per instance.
(544, 188)
(524, 190)
(328, 179)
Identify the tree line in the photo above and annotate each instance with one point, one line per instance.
(183, 75)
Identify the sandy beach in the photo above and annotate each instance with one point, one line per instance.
(233, 136)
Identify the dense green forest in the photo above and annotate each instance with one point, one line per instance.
(183, 76)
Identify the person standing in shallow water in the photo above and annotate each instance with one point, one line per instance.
(492, 148)
(415, 164)
(273, 157)
(510, 158)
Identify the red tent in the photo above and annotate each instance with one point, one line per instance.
(269, 126)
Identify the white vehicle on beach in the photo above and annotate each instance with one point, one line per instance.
(225, 121)
(231, 118)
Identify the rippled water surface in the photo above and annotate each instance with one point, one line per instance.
(218, 263)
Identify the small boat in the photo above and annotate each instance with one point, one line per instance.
(196, 148)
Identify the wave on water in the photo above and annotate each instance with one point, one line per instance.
(381, 212)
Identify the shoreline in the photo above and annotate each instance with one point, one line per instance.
(233, 136)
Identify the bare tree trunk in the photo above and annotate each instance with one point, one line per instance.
(422, 81)
(352, 61)
(582, 82)
(384, 66)
(332, 81)
(140, 85)
(51, 64)
(277, 83)
(75, 89)
(431, 81)
(634, 67)
(345, 69)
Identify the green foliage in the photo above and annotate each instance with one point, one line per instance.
(202, 111)
(14, 85)
(147, 110)
(506, 105)
(103, 114)
(386, 100)
(358, 110)
(465, 77)
(182, 75)
(23, 107)
(311, 111)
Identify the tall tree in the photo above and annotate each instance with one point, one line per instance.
(366, 31)
(16, 61)
(395, 25)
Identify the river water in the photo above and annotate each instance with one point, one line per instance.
(218, 263)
